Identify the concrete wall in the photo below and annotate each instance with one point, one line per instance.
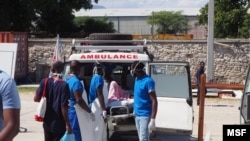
(231, 58)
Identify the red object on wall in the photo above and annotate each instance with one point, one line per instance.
(21, 38)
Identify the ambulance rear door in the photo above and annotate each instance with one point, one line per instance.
(174, 95)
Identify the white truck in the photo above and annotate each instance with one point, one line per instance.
(172, 81)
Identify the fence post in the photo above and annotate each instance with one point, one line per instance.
(201, 107)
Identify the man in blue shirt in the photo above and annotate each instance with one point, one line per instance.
(9, 108)
(76, 90)
(145, 101)
(96, 88)
(199, 72)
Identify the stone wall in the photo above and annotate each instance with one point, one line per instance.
(231, 57)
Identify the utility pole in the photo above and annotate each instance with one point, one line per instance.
(153, 23)
(248, 12)
(210, 42)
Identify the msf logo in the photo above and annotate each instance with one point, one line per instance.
(236, 132)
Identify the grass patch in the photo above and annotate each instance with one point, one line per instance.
(26, 89)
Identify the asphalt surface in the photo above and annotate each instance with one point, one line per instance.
(217, 112)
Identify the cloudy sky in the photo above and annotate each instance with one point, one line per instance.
(152, 3)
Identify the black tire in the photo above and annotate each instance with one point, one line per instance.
(110, 36)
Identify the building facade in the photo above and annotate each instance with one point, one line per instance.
(134, 21)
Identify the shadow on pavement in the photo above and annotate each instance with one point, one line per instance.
(159, 136)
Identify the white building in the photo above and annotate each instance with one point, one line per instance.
(134, 21)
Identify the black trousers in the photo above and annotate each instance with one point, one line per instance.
(49, 136)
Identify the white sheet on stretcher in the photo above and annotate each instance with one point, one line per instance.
(91, 130)
(85, 122)
(99, 124)
(121, 103)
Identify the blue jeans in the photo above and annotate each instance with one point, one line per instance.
(142, 127)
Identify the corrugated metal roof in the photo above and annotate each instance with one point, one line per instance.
(133, 12)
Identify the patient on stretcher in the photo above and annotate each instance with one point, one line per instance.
(116, 95)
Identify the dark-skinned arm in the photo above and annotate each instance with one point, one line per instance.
(12, 123)
(66, 119)
(37, 98)
(39, 91)
(101, 98)
(154, 104)
(80, 101)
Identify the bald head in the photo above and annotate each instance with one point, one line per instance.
(57, 67)
(74, 66)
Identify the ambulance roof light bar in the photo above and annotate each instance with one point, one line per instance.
(77, 45)
(121, 48)
(136, 42)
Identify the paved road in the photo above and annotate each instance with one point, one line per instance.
(217, 112)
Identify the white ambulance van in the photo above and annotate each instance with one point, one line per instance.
(172, 80)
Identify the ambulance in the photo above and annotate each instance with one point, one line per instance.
(172, 81)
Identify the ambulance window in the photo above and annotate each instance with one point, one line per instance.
(170, 80)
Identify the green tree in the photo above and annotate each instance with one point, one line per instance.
(88, 25)
(16, 15)
(41, 16)
(245, 29)
(169, 22)
(56, 16)
(230, 18)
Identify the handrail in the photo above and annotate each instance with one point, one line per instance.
(136, 45)
(222, 86)
(106, 47)
(79, 41)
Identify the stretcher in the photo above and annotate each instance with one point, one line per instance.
(120, 109)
